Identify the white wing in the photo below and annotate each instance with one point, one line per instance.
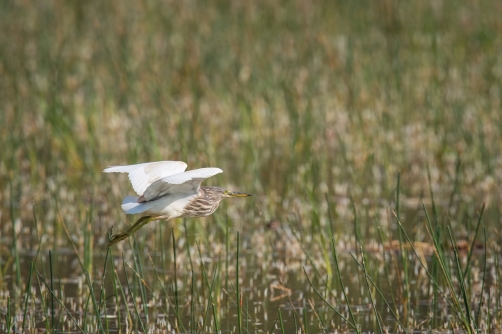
(143, 175)
(181, 183)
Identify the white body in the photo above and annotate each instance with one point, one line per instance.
(168, 207)
(163, 187)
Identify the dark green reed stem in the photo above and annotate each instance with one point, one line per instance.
(497, 282)
(478, 313)
(467, 316)
(351, 323)
(216, 323)
(60, 316)
(133, 298)
(117, 288)
(305, 321)
(456, 181)
(406, 288)
(237, 288)
(163, 258)
(367, 280)
(86, 308)
(193, 324)
(138, 267)
(370, 280)
(280, 321)
(226, 253)
(14, 239)
(398, 192)
(168, 302)
(59, 301)
(453, 301)
(102, 290)
(28, 293)
(44, 304)
(339, 273)
(9, 324)
(86, 273)
(187, 244)
(299, 237)
(175, 283)
(52, 289)
(210, 286)
(247, 314)
(471, 249)
(88, 239)
(387, 274)
(330, 216)
(35, 220)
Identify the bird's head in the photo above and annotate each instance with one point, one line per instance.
(230, 193)
(219, 193)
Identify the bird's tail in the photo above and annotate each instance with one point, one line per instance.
(131, 206)
(130, 202)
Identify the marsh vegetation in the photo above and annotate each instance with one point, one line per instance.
(369, 133)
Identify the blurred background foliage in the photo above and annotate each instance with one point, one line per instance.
(297, 101)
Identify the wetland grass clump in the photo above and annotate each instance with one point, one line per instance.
(315, 113)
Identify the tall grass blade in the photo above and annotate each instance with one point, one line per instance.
(193, 324)
(478, 313)
(215, 317)
(404, 261)
(305, 322)
(187, 244)
(453, 301)
(379, 291)
(17, 266)
(473, 243)
(163, 290)
(280, 321)
(59, 301)
(9, 323)
(466, 314)
(86, 274)
(210, 286)
(28, 293)
(133, 298)
(237, 288)
(52, 289)
(351, 323)
(179, 323)
(387, 276)
(372, 300)
(102, 290)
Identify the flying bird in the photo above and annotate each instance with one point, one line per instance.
(165, 191)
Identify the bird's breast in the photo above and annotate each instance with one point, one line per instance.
(200, 207)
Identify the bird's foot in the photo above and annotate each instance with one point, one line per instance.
(113, 239)
(116, 238)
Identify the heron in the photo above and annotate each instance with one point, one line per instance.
(166, 191)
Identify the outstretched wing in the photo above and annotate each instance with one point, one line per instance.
(143, 175)
(181, 183)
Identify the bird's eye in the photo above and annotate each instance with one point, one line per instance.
(226, 192)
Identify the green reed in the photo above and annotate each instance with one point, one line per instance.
(238, 295)
(179, 323)
(28, 294)
(133, 298)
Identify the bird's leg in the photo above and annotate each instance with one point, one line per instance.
(121, 236)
